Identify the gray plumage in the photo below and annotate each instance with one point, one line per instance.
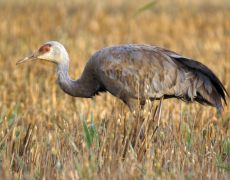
(134, 71)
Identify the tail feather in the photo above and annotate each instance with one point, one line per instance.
(209, 88)
(209, 97)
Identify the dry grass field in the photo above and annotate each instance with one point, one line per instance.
(46, 134)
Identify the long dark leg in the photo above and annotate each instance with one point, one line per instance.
(137, 133)
(135, 105)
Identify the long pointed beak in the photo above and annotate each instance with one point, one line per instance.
(30, 57)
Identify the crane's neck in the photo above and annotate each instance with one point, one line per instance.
(76, 88)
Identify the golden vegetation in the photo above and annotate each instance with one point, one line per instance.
(45, 133)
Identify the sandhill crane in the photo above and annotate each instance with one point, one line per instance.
(136, 72)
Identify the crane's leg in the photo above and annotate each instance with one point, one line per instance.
(138, 130)
(135, 105)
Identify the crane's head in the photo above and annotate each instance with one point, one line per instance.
(52, 51)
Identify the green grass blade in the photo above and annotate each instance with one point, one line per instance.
(146, 7)
(87, 135)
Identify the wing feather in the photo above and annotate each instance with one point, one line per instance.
(142, 71)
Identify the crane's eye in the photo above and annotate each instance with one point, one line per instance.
(45, 48)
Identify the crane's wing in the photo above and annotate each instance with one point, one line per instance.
(141, 71)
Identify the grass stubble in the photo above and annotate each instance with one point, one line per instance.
(46, 134)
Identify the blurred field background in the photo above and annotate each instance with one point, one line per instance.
(46, 134)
